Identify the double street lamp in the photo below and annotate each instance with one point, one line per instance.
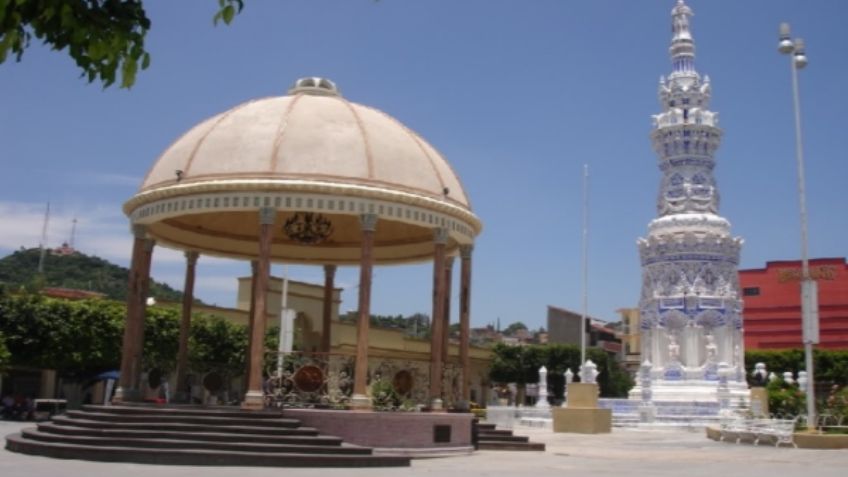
(809, 291)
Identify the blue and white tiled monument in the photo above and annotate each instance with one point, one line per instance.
(690, 303)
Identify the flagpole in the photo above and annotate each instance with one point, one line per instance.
(585, 263)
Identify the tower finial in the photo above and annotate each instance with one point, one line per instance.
(682, 48)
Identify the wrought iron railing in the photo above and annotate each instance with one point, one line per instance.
(299, 379)
(325, 380)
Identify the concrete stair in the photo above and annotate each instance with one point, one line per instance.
(491, 438)
(191, 436)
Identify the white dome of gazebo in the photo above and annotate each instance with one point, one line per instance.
(309, 151)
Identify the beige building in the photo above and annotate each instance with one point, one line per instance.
(630, 338)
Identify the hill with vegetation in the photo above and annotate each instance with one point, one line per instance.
(77, 270)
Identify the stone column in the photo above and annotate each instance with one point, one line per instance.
(447, 301)
(144, 289)
(465, 318)
(329, 277)
(254, 398)
(360, 399)
(182, 393)
(254, 269)
(131, 352)
(440, 238)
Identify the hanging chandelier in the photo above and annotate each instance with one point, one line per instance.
(308, 228)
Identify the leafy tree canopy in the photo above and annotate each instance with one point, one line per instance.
(513, 327)
(104, 37)
(5, 356)
(80, 338)
(520, 365)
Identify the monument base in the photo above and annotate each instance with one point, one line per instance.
(693, 391)
(759, 402)
(582, 420)
(582, 414)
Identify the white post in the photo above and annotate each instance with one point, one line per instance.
(588, 372)
(802, 381)
(647, 410)
(723, 391)
(281, 348)
(542, 402)
(107, 393)
(787, 377)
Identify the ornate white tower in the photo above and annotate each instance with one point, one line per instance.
(690, 303)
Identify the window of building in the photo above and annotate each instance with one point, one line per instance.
(751, 291)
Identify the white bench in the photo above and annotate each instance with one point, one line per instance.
(535, 422)
(781, 431)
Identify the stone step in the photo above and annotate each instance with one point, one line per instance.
(491, 438)
(177, 426)
(494, 432)
(222, 436)
(183, 442)
(183, 419)
(185, 410)
(503, 438)
(512, 446)
(64, 450)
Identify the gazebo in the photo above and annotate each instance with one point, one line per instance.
(307, 178)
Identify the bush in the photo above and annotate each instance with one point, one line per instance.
(785, 399)
(831, 366)
(383, 396)
(836, 402)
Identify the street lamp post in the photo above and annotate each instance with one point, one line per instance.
(809, 292)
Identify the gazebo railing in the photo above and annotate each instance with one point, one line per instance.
(325, 380)
(308, 380)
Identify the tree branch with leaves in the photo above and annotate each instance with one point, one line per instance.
(105, 38)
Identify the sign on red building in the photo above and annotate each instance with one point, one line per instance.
(772, 297)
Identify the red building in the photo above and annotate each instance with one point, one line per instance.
(773, 304)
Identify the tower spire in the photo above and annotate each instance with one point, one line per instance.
(682, 49)
(691, 302)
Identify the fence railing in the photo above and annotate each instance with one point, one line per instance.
(325, 380)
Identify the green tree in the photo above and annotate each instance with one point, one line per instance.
(161, 337)
(5, 356)
(513, 327)
(217, 344)
(73, 337)
(520, 365)
(104, 37)
(80, 338)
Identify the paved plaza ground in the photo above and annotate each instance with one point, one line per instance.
(622, 453)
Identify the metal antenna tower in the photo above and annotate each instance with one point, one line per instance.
(73, 233)
(43, 243)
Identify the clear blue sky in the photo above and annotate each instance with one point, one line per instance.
(517, 95)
